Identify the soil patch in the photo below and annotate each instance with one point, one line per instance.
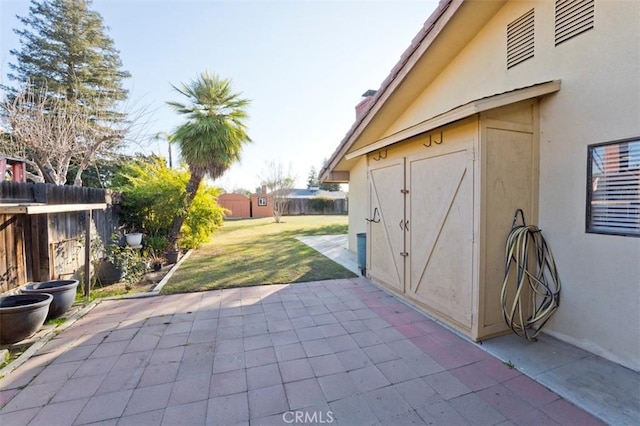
(146, 284)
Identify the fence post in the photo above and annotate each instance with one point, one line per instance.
(87, 253)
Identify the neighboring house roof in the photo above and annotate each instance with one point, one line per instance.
(316, 193)
(445, 33)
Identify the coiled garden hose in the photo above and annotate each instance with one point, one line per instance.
(537, 286)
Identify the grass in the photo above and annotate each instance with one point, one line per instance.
(260, 251)
(56, 321)
(14, 353)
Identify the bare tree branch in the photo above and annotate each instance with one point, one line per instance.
(52, 134)
(279, 184)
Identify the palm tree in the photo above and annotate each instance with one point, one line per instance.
(213, 136)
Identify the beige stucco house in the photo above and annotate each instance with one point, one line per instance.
(499, 105)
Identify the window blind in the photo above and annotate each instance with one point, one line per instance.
(614, 188)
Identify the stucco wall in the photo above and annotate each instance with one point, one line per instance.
(599, 101)
(358, 202)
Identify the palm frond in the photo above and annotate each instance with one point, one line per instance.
(214, 134)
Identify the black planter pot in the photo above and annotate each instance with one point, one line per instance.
(21, 315)
(63, 292)
(172, 256)
(108, 273)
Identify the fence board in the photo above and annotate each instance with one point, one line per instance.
(48, 246)
(304, 206)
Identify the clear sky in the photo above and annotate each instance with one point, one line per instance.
(303, 64)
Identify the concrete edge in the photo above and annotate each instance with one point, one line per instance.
(163, 281)
(36, 346)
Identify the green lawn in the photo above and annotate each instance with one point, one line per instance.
(260, 251)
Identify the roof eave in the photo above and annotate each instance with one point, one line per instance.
(393, 80)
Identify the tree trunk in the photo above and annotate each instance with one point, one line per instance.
(192, 189)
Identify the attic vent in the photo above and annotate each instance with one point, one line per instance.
(520, 36)
(573, 17)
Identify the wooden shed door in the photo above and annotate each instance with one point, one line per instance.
(440, 237)
(386, 235)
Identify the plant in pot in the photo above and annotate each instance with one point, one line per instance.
(109, 267)
(133, 238)
(173, 254)
(135, 265)
(155, 245)
(121, 263)
(156, 260)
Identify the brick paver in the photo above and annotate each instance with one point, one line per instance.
(341, 352)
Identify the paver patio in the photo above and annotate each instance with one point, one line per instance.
(342, 352)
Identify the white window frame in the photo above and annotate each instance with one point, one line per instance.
(262, 201)
(613, 188)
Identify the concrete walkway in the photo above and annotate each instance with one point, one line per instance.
(603, 388)
(343, 352)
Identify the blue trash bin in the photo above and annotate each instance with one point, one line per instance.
(362, 252)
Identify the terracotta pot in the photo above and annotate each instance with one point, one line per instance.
(63, 292)
(21, 315)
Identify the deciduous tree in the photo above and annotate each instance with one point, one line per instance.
(68, 83)
(52, 135)
(279, 183)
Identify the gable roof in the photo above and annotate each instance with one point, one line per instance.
(444, 34)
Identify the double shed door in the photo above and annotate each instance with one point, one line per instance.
(421, 239)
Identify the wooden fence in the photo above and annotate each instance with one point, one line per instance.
(41, 247)
(304, 206)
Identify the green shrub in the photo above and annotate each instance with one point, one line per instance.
(153, 194)
(155, 243)
(202, 220)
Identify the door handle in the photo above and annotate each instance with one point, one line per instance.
(401, 224)
(376, 216)
(406, 226)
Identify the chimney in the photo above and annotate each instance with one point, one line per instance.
(364, 103)
(263, 189)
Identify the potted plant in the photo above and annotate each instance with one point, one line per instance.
(121, 263)
(173, 254)
(134, 238)
(156, 260)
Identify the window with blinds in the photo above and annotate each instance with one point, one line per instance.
(613, 188)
